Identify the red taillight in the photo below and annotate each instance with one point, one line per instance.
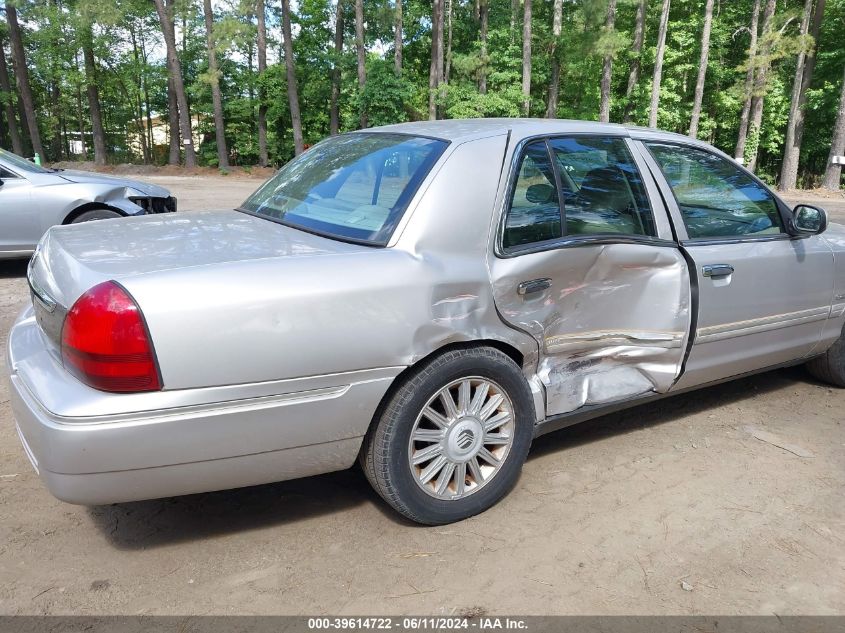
(105, 342)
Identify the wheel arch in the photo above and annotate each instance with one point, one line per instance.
(90, 206)
(506, 348)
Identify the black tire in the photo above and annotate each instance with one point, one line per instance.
(830, 366)
(384, 454)
(95, 214)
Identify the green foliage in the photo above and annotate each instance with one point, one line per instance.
(132, 75)
(386, 97)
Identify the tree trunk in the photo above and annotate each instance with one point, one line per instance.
(803, 78)
(554, 80)
(658, 64)
(175, 71)
(6, 91)
(173, 124)
(484, 18)
(54, 92)
(837, 146)
(514, 18)
(362, 57)
(441, 31)
(397, 39)
(636, 61)
(79, 115)
(448, 69)
(334, 107)
(433, 70)
(761, 79)
(262, 97)
(22, 75)
(147, 108)
(702, 69)
(293, 92)
(139, 101)
(214, 80)
(526, 57)
(93, 91)
(742, 135)
(607, 68)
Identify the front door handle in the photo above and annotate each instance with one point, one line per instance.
(535, 285)
(717, 270)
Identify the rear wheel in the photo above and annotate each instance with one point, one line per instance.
(95, 214)
(830, 366)
(451, 441)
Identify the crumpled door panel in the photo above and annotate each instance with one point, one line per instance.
(614, 324)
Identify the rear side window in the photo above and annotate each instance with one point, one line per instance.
(600, 192)
(354, 187)
(603, 191)
(534, 214)
(716, 198)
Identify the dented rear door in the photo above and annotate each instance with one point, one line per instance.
(606, 291)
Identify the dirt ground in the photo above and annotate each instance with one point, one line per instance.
(670, 508)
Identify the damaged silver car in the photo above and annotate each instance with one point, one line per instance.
(424, 298)
(34, 198)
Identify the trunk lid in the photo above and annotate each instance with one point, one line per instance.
(71, 259)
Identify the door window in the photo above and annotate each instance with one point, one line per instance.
(534, 214)
(601, 192)
(602, 189)
(716, 198)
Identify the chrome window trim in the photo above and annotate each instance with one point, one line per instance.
(586, 240)
(716, 241)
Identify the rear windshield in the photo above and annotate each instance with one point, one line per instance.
(353, 187)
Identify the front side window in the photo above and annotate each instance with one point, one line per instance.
(21, 164)
(601, 192)
(353, 187)
(716, 198)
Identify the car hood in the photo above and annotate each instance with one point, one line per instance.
(145, 188)
(71, 259)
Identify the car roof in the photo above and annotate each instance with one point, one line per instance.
(460, 130)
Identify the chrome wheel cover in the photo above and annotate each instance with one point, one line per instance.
(461, 438)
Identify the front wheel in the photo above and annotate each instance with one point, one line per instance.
(95, 214)
(451, 441)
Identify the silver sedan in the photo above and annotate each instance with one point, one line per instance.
(33, 198)
(425, 298)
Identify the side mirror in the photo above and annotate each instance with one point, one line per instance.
(808, 220)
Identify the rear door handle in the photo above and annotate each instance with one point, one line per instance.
(717, 270)
(534, 285)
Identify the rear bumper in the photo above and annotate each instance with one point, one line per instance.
(93, 448)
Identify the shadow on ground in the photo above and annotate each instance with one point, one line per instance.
(669, 409)
(13, 268)
(147, 524)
